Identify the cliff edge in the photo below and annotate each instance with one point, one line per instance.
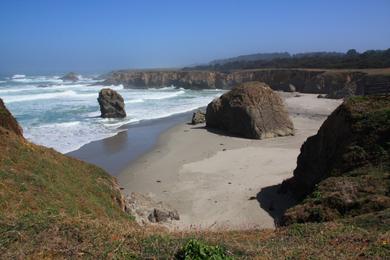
(344, 170)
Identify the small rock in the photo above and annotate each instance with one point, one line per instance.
(71, 76)
(198, 118)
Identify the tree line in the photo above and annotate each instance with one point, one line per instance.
(324, 60)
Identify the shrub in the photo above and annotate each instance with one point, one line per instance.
(198, 250)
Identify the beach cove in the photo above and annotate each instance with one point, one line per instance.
(215, 181)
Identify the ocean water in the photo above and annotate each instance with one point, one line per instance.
(65, 115)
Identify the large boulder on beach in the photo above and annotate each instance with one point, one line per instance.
(7, 121)
(250, 110)
(111, 104)
(71, 76)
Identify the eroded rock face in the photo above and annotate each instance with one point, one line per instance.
(7, 120)
(146, 210)
(333, 83)
(111, 104)
(198, 117)
(71, 76)
(250, 110)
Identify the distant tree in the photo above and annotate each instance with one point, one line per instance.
(352, 52)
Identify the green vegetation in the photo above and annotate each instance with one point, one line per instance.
(198, 250)
(323, 60)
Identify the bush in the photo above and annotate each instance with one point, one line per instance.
(198, 250)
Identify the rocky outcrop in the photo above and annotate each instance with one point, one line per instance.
(198, 117)
(111, 104)
(7, 120)
(344, 168)
(146, 211)
(71, 76)
(251, 110)
(334, 83)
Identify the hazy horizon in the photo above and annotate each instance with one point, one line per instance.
(100, 36)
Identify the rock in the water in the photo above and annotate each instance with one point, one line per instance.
(71, 76)
(198, 117)
(321, 96)
(145, 210)
(251, 110)
(7, 121)
(111, 104)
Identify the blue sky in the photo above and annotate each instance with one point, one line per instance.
(54, 36)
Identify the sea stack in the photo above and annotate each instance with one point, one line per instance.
(111, 104)
(250, 110)
(71, 76)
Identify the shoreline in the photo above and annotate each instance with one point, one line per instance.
(116, 153)
(204, 175)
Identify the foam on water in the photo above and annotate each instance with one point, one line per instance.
(65, 115)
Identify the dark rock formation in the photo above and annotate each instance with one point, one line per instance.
(344, 168)
(198, 117)
(71, 76)
(7, 120)
(111, 104)
(334, 83)
(160, 215)
(146, 210)
(251, 110)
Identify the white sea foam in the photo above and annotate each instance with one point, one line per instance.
(43, 96)
(134, 101)
(18, 76)
(65, 115)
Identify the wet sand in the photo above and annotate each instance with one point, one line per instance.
(218, 181)
(116, 153)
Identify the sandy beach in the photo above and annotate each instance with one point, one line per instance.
(217, 181)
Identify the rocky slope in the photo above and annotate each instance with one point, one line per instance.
(344, 170)
(252, 110)
(335, 83)
(7, 121)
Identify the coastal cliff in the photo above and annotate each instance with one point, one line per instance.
(343, 170)
(334, 83)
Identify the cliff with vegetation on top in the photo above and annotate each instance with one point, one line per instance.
(344, 170)
(334, 83)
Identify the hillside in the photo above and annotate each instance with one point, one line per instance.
(57, 207)
(344, 170)
(322, 60)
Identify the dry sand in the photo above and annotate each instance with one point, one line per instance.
(217, 181)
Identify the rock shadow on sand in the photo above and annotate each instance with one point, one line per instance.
(216, 131)
(275, 202)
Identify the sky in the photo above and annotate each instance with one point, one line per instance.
(42, 36)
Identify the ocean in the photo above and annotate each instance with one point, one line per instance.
(66, 115)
